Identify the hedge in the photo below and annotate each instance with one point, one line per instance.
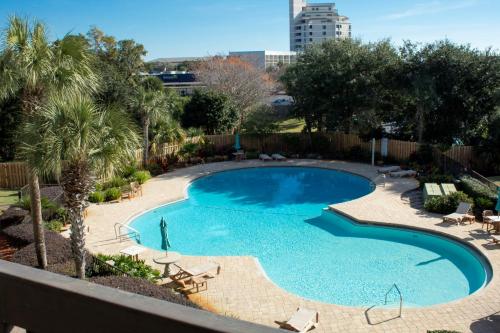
(446, 204)
(144, 288)
(476, 189)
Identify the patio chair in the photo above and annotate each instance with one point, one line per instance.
(278, 157)
(389, 169)
(460, 214)
(136, 188)
(302, 321)
(486, 218)
(196, 271)
(403, 173)
(495, 239)
(265, 157)
(127, 192)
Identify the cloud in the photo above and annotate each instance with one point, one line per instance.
(433, 7)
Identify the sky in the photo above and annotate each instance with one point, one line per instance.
(182, 28)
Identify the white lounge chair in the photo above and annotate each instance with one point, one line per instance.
(460, 214)
(302, 321)
(265, 157)
(278, 157)
(200, 270)
(403, 173)
(389, 169)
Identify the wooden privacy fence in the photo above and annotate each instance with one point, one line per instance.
(14, 175)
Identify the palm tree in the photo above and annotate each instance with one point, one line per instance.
(31, 67)
(151, 106)
(79, 141)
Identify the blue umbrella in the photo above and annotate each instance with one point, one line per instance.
(165, 243)
(237, 145)
(497, 208)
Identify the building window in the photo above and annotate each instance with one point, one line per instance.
(324, 27)
(324, 33)
(298, 34)
(298, 40)
(310, 26)
(310, 39)
(310, 34)
(298, 27)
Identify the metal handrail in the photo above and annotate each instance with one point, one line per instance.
(131, 232)
(395, 286)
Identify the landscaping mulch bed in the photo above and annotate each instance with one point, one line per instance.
(7, 247)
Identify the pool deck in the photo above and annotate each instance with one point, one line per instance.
(243, 291)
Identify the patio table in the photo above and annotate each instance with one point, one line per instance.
(167, 260)
(133, 251)
(495, 220)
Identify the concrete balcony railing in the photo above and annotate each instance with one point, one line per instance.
(41, 301)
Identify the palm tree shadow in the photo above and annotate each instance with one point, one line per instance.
(489, 323)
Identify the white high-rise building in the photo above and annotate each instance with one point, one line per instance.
(314, 23)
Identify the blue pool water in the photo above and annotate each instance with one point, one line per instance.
(276, 215)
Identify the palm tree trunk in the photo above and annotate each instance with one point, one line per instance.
(77, 183)
(36, 216)
(145, 154)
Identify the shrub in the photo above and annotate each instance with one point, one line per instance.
(252, 155)
(144, 288)
(113, 193)
(25, 203)
(320, 144)
(475, 188)
(99, 187)
(483, 203)
(134, 268)
(154, 169)
(97, 197)
(424, 155)
(116, 182)
(129, 171)
(357, 153)
(54, 225)
(189, 150)
(142, 176)
(446, 204)
(206, 150)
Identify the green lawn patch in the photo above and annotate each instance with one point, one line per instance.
(292, 125)
(8, 197)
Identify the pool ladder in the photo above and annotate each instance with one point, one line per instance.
(129, 232)
(395, 287)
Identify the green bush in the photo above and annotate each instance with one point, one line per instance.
(483, 203)
(446, 204)
(189, 150)
(97, 197)
(25, 203)
(129, 171)
(357, 153)
(142, 176)
(133, 268)
(54, 225)
(252, 155)
(155, 169)
(116, 182)
(475, 188)
(113, 193)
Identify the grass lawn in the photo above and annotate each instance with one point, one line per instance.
(8, 197)
(291, 125)
(495, 180)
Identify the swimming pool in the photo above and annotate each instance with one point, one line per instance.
(277, 216)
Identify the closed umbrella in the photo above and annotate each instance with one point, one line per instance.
(497, 208)
(237, 144)
(165, 243)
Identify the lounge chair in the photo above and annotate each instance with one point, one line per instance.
(136, 188)
(302, 321)
(495, 239)
(278, 157)
(432, 190)
(196, 271)
(460, 214)
(265, 157)
(127, 192)
(403, 173)
(389, 169)
(448, 188)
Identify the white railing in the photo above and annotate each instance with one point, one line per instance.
(123, 231)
